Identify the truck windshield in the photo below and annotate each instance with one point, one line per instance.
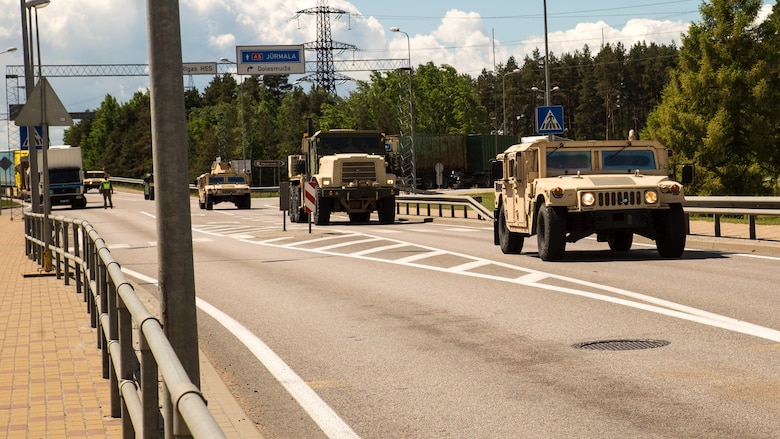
(569, 161)
(355, 143)
(626, 159)
(64, 175)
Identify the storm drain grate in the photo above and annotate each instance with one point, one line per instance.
(621, 345)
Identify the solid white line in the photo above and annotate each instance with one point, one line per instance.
(378, 249)
(330, 422)
(470, 265)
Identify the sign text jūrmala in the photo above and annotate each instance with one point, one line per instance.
(309, 196)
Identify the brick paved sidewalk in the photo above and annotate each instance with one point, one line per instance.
(51, 381)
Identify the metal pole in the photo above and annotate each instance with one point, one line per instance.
(44, 158)
(546, 61)
(29, 84)
(169, 151)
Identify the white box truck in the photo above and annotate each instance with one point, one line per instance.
(66, 182)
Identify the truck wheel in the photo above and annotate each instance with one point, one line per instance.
(246, 202)
(510, 242)
(621, 241)
(201, 204)
(428, 183)
(321, 211)
(209, 202)
(386, 210)
(671, 230)
(551, 233)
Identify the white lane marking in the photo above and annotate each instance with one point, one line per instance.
(324, 416)
(117, 246)
(651, 304)
(470, 265)
(348, 243)
(745, 255)
(375, 249)
(426, 254)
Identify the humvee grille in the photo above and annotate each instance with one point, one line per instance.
(620, 198)
(352, 171)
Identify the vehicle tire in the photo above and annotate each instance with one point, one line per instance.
(151, 194)
(201, 204)
(510, 242)
(428, 183)
(321, 210)
(551, 233)
(209, 202)
(246, 202)
(359, 217)
(386, 210)
(671, 231)
(146, 196)
(621, 241)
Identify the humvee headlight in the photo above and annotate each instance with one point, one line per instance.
(651, 197)
(673, 189)
(391, 182)
(557, 192)
(326, 182)
(588, 199)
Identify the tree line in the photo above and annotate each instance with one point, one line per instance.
(715, 101)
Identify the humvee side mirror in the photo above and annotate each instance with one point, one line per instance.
(687, 174)
(496, 170)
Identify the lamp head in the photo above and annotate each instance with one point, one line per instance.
(223, 59)
(394, 29)
(37, 4)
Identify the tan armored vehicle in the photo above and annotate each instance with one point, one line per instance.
(563, 191)
(350, 171)
(93, 179)
(223, 184)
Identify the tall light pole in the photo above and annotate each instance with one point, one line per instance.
(503, 93)
(411, 110)
(10, 49)
(241, 103)
(546, 61)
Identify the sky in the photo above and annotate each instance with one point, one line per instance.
(468, 35)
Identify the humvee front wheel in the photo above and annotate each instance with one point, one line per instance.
(551, 233)
(510, 243)
(621, 241)
(671, 232)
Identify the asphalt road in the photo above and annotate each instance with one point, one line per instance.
(427, 330)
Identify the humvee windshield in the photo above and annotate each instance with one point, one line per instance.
(569, 161)
(627, 160)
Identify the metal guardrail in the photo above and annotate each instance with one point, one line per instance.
(717, 206)
(80, 253)
(415, 204)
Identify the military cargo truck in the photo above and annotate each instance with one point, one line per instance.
(562, 191)
(223, 184)
(350, 171)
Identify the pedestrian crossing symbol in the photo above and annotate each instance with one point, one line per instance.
(37, 138)
(549, 120)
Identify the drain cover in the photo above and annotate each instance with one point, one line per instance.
(621, 345)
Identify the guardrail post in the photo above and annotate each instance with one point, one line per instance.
(127, 360)
(717, 225)
(150, 397)
(77, 254)
(752, 221)
(108, 301)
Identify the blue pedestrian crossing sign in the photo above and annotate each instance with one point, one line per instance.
(549, 119)
(37, 138)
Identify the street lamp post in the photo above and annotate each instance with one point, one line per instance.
(29, 84)
(411, 110)
(503, 93)
(241, 103)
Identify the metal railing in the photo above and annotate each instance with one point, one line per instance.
(421, 205)
(80, 253)
(717, 206)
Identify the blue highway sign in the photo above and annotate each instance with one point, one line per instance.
(270, 60)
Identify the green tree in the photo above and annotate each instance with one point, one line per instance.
(713, 106)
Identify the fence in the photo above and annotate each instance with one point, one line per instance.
(80, 253)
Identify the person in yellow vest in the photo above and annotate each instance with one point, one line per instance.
(107, 189)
